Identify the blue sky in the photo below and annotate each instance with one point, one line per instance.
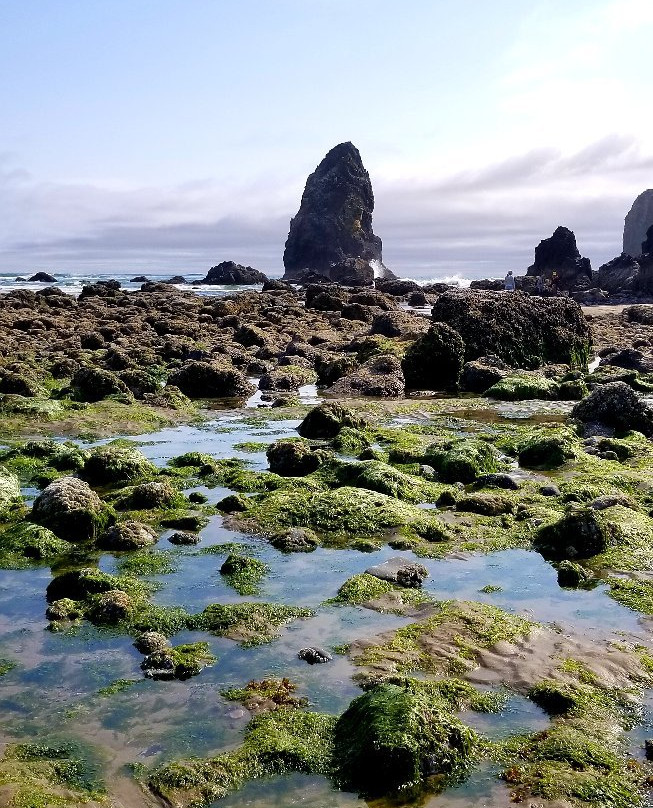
(172, 134)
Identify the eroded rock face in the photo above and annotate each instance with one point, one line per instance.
(638, 220)
(334, 221)
(229, 272)
(560, 254)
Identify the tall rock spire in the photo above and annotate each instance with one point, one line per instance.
(333, 226)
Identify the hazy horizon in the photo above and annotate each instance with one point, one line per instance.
(167, 137)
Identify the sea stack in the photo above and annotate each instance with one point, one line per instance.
(638, 220)
(332, 232)
(560, 254)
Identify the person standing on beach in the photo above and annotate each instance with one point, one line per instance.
(509, 282)
(539, 285)
(554, 283)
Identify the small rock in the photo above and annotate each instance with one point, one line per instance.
(314, 656)
(183, 537)
(400, 571)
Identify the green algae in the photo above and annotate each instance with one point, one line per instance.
(523, 386)
(118, 686)
(25, 544)
(243, 573)
(249, 624)
(636, 595)
(6, 665)
(149, 562)
(465, 627)
(273, 692)
(276, 742)
(367, 590)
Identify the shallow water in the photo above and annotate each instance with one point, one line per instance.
(53, 691)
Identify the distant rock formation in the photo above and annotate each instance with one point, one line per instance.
(638, 221)
(231, 273)
(647, 244)
(42, 277)
(560, 254)
(333, 226)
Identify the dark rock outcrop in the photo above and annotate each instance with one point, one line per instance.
(615, 405)
(231, 273)
(379, 377)
(207, 380)
(521, 330)
(647, 244)
(638, 220)
(560, 254)
(334, 221)
(42, 277)
(435, 360)
(618, 275)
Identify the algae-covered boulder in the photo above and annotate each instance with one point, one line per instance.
(94, 384)
(293, 458)
(81, 584)
(523, 386)
(151, 495)
(546, 450)
(462, 460)
(391, 739)
(295, 540)
(581, 533)
(435, 360)
(111, 607)
(485, 504)
(326, 420)
(206, 380)
(378, 476)
(379, 377)
(9, 491)
(108, 465)
(128, 535)
(346, 510)
(522, 330)
(72, 510)
(616, 405)
(27, 541)
(178, 661)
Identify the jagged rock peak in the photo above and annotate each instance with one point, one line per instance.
(334, 222)
(560, 254)
(638, 220)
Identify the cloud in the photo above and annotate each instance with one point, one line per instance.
(476, 221)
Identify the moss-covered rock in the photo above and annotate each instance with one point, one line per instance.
(112, 465)
(378, 476)
(208, 380)
(546, 450)
(618, 406)
(249, 623)
(326, 420)
(26, 542)
(9, 492)
(391, 739)
(523, 387)
(435, 360)
(243, 573)
(93, 384)
(177, 661)
(71, 510)
(293, 457)
(128, 535)
(149, 496)
(462, 460)
(295, 540)
(346, 510)
(581, 533)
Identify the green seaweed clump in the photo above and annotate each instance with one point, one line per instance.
(392, 739)
(178, 661)
(249, 623)
(243, 573)
(268, 694)
(384, 596)
(374, 475)
(27, 543)
(116, 464)
(462, 460)
(545, 450)
(277, 742)
(523, 386)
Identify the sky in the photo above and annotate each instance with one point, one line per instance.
(170, 135)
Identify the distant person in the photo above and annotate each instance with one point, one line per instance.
(539, 285)
(509, 282)
(554, 283)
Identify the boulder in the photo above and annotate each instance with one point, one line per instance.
(435, 360)
(150, 641)
(615, 405)
(232, 274)
(392, 739)
(379, 377)
(326, 420)
(581, 533)
(95, 384)
(209, 380)
(334, 221)
(521, 330)
(399, 324)
(108, 465)
(400, 571)
(293, 457)
(638, 220)
(42, 277)
(352, 272)
(618, 275)
(560, 254)
(129, 535)
(480, 374)
(71, 510)
(314, 655)
(295, 540)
